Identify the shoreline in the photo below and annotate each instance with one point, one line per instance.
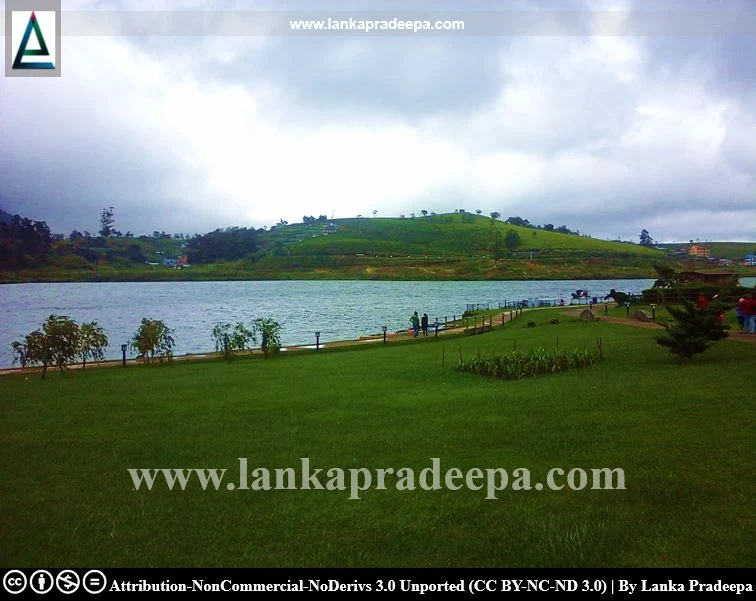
(401, 335)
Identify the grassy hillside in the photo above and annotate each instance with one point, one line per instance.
(457, 246)
(438, 236)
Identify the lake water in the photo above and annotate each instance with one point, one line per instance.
(338, 309)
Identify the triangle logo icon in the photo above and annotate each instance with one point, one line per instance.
(18, 63)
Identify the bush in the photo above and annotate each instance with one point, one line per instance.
(57, 343)
(92, 342)
(516, 364)
(693, 330)
(230, 340)
(270, 335)
(153, 341)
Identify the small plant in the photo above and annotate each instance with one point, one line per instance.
(229, 340)
(692, 330)
(270, 335)
(153, 341)
(92, 342)
(531, 323)
(554, 321)
(518, 364)
(57, 343)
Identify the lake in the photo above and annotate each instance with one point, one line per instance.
(338, 309)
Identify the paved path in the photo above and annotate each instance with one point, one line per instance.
(636, 323)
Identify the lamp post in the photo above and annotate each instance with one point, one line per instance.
(627, 308)
(317, 341)
(384, 328)
(123, 352)
(653, 312)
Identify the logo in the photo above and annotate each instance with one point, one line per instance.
(41, 582)
(94, 581)
(32, 38)
(14, 581)
(67, 582)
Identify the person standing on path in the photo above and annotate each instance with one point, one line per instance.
(415, 321)
(424, 324)
(740, 313)
(749, 313)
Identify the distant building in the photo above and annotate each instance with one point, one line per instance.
(750, 259)
(698, 251)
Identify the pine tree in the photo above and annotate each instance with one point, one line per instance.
(693, 330)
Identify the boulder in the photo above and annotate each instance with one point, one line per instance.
(588, 315)
(640, 315)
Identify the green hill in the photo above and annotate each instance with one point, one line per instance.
(448, 235)
(456, 246)
(448, 246)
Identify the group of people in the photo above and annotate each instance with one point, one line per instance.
(745, 311)
(418, 324)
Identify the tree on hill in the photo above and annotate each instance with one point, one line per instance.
(478, 211)
(106, 222)
(495, 215)
(496, 246)
(223, 245)
(424, 213)
(518, 221)
(23, 241)
(512, 240)
(645, 238)
(549, 227)
(693, 330)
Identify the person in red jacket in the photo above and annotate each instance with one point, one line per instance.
(749, 313)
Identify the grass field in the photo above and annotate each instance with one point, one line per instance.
(684, 436)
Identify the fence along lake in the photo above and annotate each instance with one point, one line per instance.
(339, 310)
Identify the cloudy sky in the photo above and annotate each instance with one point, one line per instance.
(608, 117)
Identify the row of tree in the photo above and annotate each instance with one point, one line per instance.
(61, 341)
(23, 241)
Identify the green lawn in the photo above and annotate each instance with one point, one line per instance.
(684, 436)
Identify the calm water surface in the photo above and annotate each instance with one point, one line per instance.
(338, 309)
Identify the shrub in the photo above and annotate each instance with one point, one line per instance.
(693, 330)
(57, 343)
(230, 340)
(270, 335)
(92, 342)
(153, 341)
(517, 364)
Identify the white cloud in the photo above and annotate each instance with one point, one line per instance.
(189, 135)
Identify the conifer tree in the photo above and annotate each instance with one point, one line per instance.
(693, 330)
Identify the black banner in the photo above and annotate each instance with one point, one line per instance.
(484, 582)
